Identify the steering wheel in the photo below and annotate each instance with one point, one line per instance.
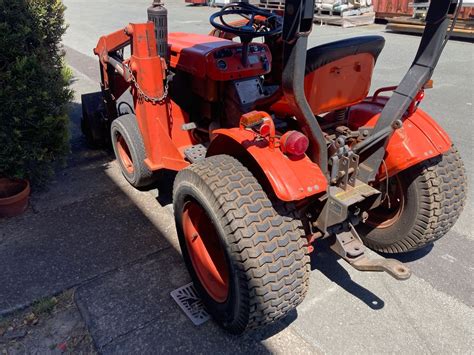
(257, 23)
(268, 23)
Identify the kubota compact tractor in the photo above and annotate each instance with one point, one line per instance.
(277, 146)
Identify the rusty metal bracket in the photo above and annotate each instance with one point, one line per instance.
(391, 266)
(337, 208)
(349, 246)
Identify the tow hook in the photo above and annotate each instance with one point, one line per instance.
(349, 246)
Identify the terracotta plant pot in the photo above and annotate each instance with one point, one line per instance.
(14, 194)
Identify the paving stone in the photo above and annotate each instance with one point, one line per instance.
(131, 311)
(44, 253)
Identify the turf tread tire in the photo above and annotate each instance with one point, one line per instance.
(127, 126)
(266, 248)
(441, 187)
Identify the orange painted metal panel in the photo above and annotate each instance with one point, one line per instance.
(159, 122)
(194, 53)
(419, 139)
(291, 179)
(336, 85)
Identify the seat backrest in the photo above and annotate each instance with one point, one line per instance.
(338, 74)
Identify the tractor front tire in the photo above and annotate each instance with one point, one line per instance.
(129, 150)
(423, 204)
(248, 261)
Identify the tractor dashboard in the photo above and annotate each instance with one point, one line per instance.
(215, 58)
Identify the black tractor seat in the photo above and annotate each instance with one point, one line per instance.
(321, 55)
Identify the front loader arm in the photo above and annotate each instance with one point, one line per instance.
(111, 43)
(106, 48)
(112, 72)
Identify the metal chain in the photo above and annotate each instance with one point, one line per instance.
(142, 95)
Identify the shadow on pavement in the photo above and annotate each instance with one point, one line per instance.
(413, 34)
(326, 261)
(73, 231)
(410, 256)
(118, 246)
(164, 185)
(130, 309)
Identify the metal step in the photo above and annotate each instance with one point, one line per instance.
(195, 153)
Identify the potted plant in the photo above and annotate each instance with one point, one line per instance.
(34, 96)
(14, 194)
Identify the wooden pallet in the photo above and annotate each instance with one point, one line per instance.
(463, 28)
(367, 18)
(348, 18)
(350, 12)
(272, 4)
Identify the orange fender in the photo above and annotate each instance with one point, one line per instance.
(419, 139)
(291, 180)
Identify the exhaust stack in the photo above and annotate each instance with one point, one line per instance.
(158, 14)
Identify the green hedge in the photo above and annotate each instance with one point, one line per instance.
(34, 92)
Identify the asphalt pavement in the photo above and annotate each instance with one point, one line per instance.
(119, 247)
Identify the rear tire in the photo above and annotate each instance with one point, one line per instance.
(264, 252)
(129, 150)
(434, 194)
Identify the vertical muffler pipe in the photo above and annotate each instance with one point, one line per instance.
(158, 14)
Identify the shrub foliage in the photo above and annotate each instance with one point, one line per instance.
(34, 91)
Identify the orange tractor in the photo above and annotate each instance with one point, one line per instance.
(277, 146)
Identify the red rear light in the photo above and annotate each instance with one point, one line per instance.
(265, 129)
(294, 143)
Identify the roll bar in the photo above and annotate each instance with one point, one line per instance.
(431, 46)
(297, 24)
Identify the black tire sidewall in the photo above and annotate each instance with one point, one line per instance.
(127, 127)
(226, 312)
(435, 197)
(384, 237)
(267, 259)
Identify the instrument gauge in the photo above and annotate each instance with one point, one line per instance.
(221, 64)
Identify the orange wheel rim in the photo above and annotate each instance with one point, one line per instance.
(206, 252)
(387, 214)
(124, 153)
